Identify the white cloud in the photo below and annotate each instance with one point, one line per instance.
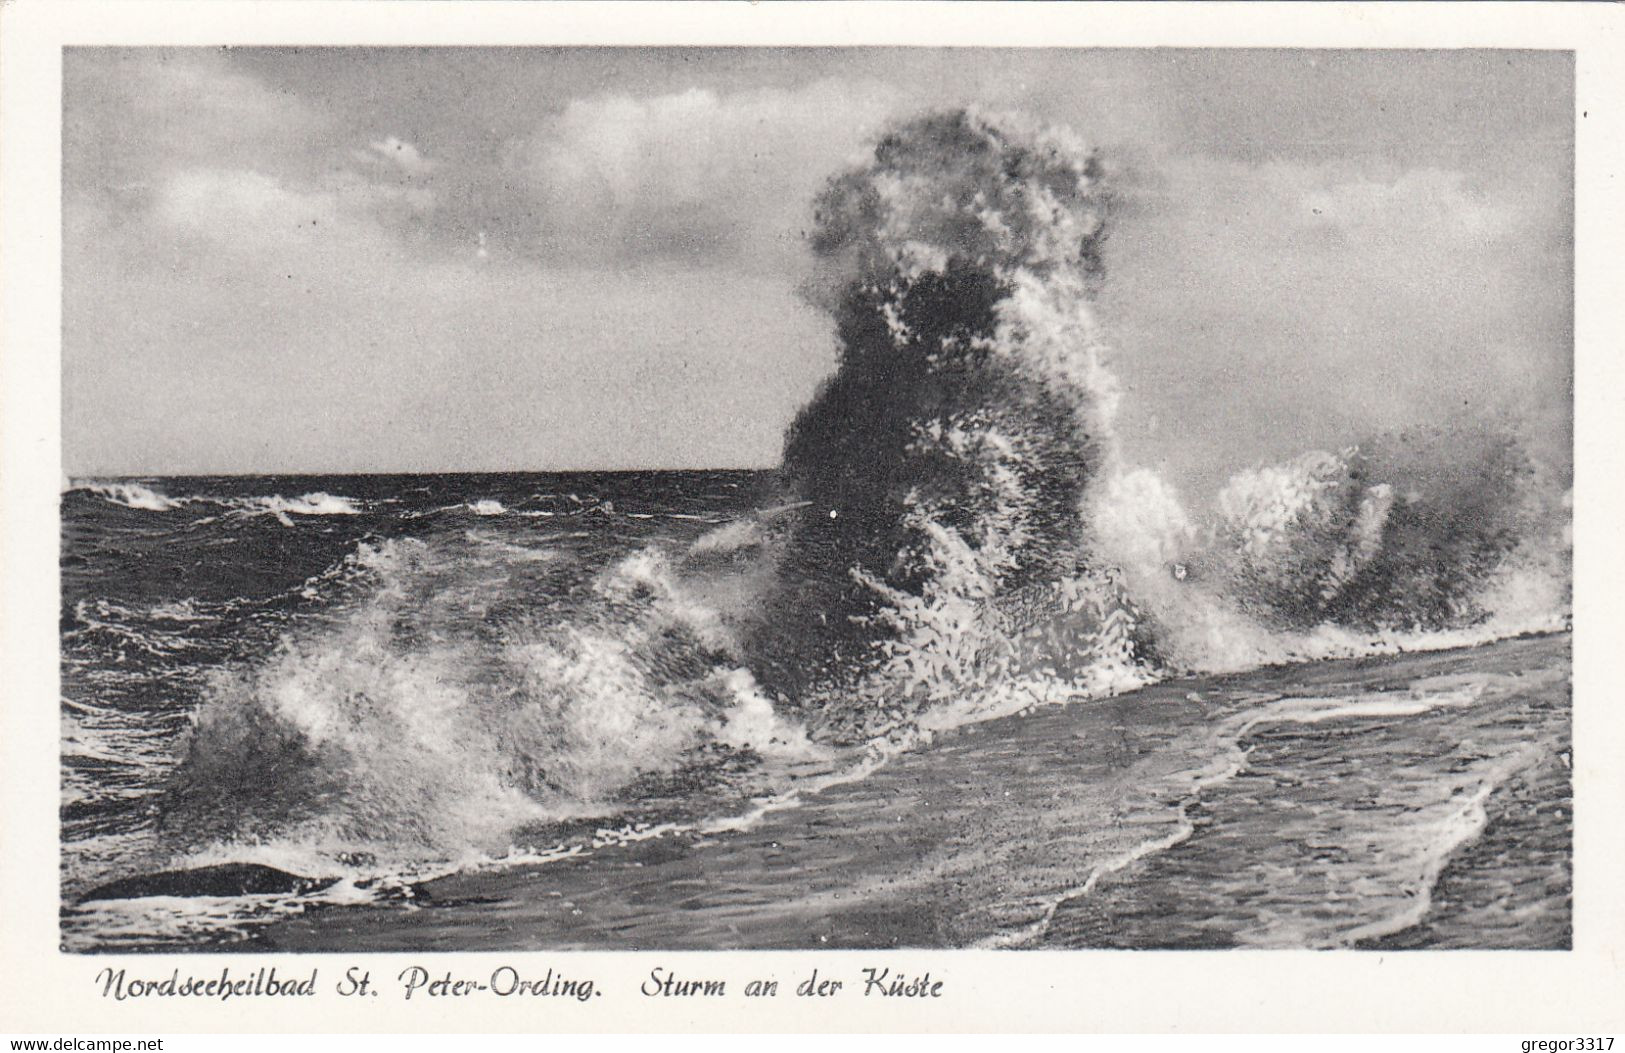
(217, 216)
(254, 212)
(1326, 301)
(138, 112)
(1430, 200)
(218, 200)
(400, 153)
(695, 173)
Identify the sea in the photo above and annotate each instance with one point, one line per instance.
(446, 712)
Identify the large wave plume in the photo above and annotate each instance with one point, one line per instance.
(971, 533)
(957, 534)
(944, 462)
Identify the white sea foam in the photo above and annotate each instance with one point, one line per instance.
(312, 504)
(146, 498)
(135, 495)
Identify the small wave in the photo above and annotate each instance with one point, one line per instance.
(1228, 756)
(1422, 698)
(86, 744)
(134, 495)
(1465, 824)
(182, 610)
(1228, 761)
(319, 503)
(731, 537)
(511, 551)
(146, 498)
(486, 507)
(343, 573)
(130, 627)
(180, 921)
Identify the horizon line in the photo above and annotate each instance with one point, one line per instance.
(91, 476)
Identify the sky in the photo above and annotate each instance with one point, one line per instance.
(397, 259)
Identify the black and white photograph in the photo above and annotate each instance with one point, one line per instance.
(706, 498)
(866, 517)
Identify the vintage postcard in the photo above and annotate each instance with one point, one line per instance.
(942, 518)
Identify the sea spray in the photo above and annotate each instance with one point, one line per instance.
(1444, 535)
(1401, 531)
(138, 495)
(134, 495)
(943, 463)
(398, 731)
(971, 527)
(955, 534)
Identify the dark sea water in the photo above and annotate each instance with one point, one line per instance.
(485, 712)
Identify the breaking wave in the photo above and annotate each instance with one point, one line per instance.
(316, 504)
(957, 536)
(145, 498)
(400, 729)
(134, 495)
(970, 534)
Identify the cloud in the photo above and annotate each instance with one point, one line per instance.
(231, 203)
(169, 154)
(401, 154)
(1284, 266)
(1324, 301)
(133, 113)
(1299, 195)
(319, 303)
(709, 177)
(255, 210)
(694, 174)
(1428, 198)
